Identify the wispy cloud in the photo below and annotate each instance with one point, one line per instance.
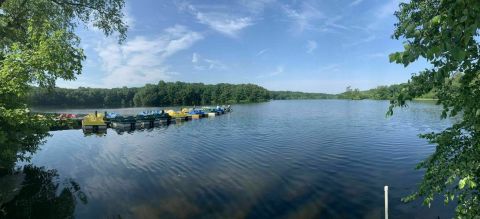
(279, 70)
(194, 58)
(215, 64)
(355, 2)
(256, 6)
(368, 39)
(333, 25)
(141, 59)
(329, 68)
(206, 64)
(221, 22)
(311, 46)
(309, 17)
(304, 17)
(388, 8)
(381, 55)
(261, 52)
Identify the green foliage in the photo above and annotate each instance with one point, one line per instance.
(180, 93)
(353, 94)
(161, 94)
(38, 46)
(445, 33)
(20, 135)
(291, 95)
(379, 93)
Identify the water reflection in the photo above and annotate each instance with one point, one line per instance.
(41, 194)
(99, 133)
(312, 159)
(121, 129)
(32, 191)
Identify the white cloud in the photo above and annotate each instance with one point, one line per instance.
(311, 46)
(261, 52)
(256, 6)
(333, 22)
(368, 39)
(206, 64)
(355, 2)
(179, 38)
(303, 17)
(309, 17)
(141, 60)
(194, 57)
(214, 64)
(222, 22)
(279, 70)
(388, 8)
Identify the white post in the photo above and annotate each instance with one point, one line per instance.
(386, 201)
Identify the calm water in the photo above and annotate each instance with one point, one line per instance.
(282, 159)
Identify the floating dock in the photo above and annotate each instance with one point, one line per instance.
(98, 122)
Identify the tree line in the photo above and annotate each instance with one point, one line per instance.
(181, 93)
(382, 93)
(160, 94)
(293, 95)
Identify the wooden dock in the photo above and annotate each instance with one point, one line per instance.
(93, 123)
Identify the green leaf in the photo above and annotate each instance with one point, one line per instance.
(472, 184)
(395, 57)
(435, 20)
(462, 182)
(459, 54)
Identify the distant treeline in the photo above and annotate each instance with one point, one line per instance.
(180, 93)
(161, 94)
(292, 95)
(379, 93)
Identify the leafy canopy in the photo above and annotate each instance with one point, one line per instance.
(446, 34)
(38, 45)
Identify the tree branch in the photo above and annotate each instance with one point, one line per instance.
(62, 3)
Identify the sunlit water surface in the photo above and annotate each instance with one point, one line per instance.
(287, 159)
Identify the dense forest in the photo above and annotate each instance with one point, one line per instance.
(181, 93)
(380, 93)
(292, 95)
(161, 94)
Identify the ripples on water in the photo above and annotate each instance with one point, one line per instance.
(290, 159)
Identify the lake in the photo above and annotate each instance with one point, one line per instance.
(279, 159)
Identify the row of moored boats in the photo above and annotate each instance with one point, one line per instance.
(146, 119)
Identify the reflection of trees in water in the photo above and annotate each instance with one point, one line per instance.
(21, 133)
(43, 195)
(32, 192)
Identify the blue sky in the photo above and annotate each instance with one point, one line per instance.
(311, 46)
